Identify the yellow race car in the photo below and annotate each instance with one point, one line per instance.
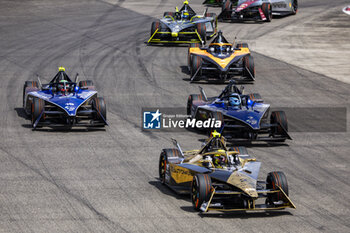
(221, 178)
(221, 60)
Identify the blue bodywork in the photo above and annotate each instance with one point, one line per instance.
(251, 114)
(69, 103)
(63, 102)
(242, 116)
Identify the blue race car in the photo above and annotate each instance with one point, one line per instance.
(63, 102)
(243, 117)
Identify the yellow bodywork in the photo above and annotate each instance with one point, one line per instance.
(223, 62)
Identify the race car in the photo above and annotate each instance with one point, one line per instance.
(222, 179)
(243, 117)
(183, 26)
(63, 102)
(220, 60)
(257, 9)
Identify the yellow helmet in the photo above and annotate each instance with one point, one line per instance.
(186, 2)
(61, 68)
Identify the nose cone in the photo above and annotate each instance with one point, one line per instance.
(243, 182)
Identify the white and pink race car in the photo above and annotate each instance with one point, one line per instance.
(257, 10)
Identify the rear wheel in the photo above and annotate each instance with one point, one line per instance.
(248, 64)
(163, 161)
(196, 63)
(201, 190)
(89, 84)
(280, 118)
(99, 105)
(266, 9)
(168, 13)
(202, 31)
(191, 98)
(240, 149)
(273, 180)
(256, 97)
(37, 109)
(241, 45)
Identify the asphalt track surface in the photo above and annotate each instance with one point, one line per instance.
(106, 180)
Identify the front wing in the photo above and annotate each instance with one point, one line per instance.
(251, 206)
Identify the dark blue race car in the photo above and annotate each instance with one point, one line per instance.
(63, 102)
(243, 117)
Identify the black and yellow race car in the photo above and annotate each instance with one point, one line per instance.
(221, 60)
(221, 178)
(183, 26)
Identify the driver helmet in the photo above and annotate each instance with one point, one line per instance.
(234, 101)
(219, 160)
(63, 87)
(185, 14)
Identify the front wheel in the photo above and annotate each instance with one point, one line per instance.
(37, 109)
(201, 190)
(99, 106)
(202, 31)
(154, 27)
(273, 180)
(249, 67)
(279, 118)
(196, 63)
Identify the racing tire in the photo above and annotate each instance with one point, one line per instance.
(38, 106)
(256, 97)
(191, 98)
(276, 178)
(168, 13)
(226, 6)
(31, 84)
(266, 9)
(242, 150)
(213, 15)
(99, 104)
(281, 118)
(202, 31)
(164, 160)
(196, 63)
(248, 64)
(241, 45)
(88, 84)
(155, 26)
(201, 190)
(192, 45)
(294, 7)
